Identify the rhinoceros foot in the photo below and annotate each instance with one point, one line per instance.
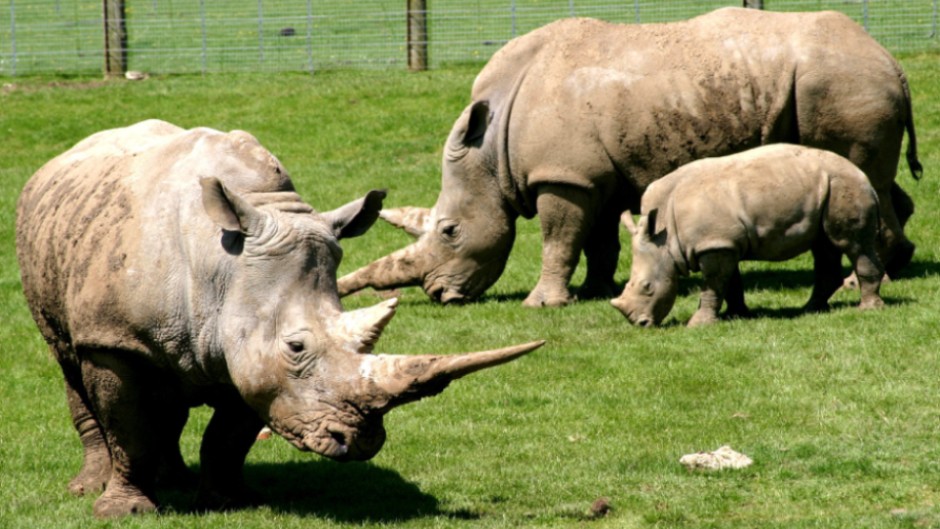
(598, 289)
(703, 317)
(816, 306)
(871, 303)
(543, 296)
(93, 477)
(118, 501)
(901, 256)
(236, 496)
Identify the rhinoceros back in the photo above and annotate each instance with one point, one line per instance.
(603, 100)
(114, 247)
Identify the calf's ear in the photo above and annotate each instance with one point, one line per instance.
(645, 227)
(356, 217)
(227, 209)
(477, 123)
(651, 223)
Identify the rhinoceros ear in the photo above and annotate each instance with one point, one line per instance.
(645, 227)
(227, 209)
(651, 223)
(478, 122)
(354, 218)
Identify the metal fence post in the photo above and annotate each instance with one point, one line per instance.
(933, 28)
(512, 12)
(754, 4)
(115, 39)
(13, 38)
(636, 10)
(865, 14)
(260, 33)
(571, 7)
(310, 34)
(417, 35)
(202, 19)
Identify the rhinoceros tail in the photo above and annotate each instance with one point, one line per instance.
(917, 170)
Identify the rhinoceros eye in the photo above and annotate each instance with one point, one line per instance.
(299, 353)
(450, 230)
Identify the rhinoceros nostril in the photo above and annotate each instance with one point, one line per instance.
(435, 292)
(450, 296)
(342, 447)
(644, 322)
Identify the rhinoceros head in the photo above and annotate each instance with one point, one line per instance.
(464, 241)
(296, 357)
(651, 291)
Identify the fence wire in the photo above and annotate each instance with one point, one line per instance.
(212, 36)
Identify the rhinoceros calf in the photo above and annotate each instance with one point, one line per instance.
(168, 268)
(769, 204)
(574, 120)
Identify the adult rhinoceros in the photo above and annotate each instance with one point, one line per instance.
(572, 121)
(167, 268)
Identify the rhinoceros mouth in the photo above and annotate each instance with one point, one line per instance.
(456, 289)
(334, 444)
(342, 440)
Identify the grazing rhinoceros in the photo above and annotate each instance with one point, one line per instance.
(770, 203)
(168, 268)
(574, 120)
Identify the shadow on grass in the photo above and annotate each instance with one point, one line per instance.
(345, 492)
(753, 280)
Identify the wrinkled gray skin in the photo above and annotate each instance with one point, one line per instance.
(771, 203)
(168, 268)
(574, 120)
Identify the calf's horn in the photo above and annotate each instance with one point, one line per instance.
(394, 380)
(401, 268)
(415, 221)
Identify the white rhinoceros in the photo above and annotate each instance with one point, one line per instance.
(770, 203)
(168, 268)
(574, 120)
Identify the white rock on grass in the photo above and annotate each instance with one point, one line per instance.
(720, 459)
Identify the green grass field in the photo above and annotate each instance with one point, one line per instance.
(839, 411)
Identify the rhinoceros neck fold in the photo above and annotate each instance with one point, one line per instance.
(673, 242)
(512, 184)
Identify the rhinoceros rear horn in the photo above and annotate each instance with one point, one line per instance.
(402, 268)
(228, 209)
(361, 328)
(399, 379)
(415, 221)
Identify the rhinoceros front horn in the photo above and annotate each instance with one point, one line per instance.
(402, 268)
(394, 380)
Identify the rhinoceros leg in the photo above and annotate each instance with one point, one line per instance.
(225, 444)
(172, 471)
(827, 270)
(564, 221)
(718, 267)
(602, 252)
(118, 392)
(734, 296)
(96, 462)
(869, 273)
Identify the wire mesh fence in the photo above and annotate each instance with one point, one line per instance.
(208, 36)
